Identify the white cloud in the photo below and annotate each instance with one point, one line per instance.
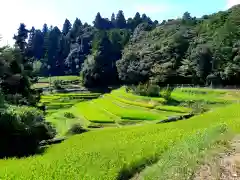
(231, 3)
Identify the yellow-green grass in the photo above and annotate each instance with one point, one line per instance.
(101, 155)
(63, 78)
(129, 113)
(179, 109)
(93, 113)
(103, 110)
(127, 95)
(163, 114)
(181, 161)
(84, 113)
(62, 123)
(152, 105)
(76, 94)
(201, 94)
(136, 103)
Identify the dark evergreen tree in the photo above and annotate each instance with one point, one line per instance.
(120, 20)
(20, 38)
(53, 51)
(77, 26)
(113, 20)
(98, 21)
(66, 27)
(98, 69)
(137, 19)
(45, 32)
(29, 50)
(38, 45)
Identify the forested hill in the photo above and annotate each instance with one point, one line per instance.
(202, 50)
(187, 50)
(60, 52)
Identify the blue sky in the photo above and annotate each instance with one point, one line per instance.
(54, 12)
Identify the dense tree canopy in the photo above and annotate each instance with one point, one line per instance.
(185, 50)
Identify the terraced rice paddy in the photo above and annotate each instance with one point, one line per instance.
(120, 151)
(117, 108)
(116, 153)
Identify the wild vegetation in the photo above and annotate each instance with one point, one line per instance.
(101, 102)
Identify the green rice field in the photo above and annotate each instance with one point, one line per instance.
(118, 151)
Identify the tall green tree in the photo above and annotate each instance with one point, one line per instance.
(204, 62)
(53, 50)
(120, 20)
(98, 21)
(21, 37)
(113, 20)
(29, 51)
(98, 68)
(66, 27)
(74, 32)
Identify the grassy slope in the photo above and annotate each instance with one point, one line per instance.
(103, 154)
(180, 161)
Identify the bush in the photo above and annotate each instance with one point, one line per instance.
(69, 115)
(151, 90)
(166, 93)
(57, 84)
(21, 130)
(76, 129)
(141, 90)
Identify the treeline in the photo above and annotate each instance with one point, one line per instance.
(203, 51)
(137, 50)
(60, 52)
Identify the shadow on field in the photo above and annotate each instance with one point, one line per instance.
(173, 102)
(39, 151)
(127, 173)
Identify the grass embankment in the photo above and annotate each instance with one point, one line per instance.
(105, 153)
(181, 161)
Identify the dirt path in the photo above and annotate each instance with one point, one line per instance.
(223, 166)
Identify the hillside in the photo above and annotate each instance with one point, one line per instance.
(187, 50)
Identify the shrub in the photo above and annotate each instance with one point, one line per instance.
(76, 129)
(151, 90)
(21, 130)
(69, 115)
(166, 93)
(141, 90)
(57, 84)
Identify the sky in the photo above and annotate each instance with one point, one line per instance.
(54, 12)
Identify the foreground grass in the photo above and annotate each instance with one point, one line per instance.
(181, 161)
(105, 153)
